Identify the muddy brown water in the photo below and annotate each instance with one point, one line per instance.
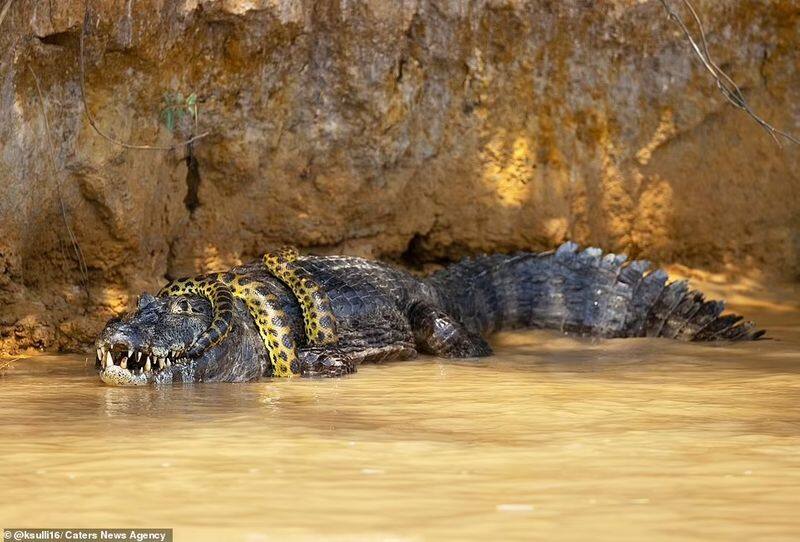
(553, 438)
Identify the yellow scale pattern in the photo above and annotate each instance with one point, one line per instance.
(273, 326)
(221, 297)
(271, 321)
(318, 317)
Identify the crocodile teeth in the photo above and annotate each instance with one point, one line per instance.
(147, 365)
(169, 363)
(108, 360)
(138, 357)
(130, 354)
(161, 363)
(124, 363)
(99, 355)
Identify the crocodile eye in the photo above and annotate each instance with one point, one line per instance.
(182, 306)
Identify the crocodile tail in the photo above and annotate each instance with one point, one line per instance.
(584, 292)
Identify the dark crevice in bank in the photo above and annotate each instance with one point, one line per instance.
(417, 254)
(413, 256)
(67, 38)
(192, 199)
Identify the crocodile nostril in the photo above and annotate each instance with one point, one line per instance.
(144, 300)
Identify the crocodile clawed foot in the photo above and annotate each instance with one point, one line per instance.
(325, 363)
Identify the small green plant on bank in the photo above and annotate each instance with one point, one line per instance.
(176, 108)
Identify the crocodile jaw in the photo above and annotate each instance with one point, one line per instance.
(117, 376)
(130, 367)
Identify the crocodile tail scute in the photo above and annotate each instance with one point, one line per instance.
(584, 291)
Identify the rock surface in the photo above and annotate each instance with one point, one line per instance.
(418, 131)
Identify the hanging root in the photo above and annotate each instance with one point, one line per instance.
(729, 89)
(76, 248)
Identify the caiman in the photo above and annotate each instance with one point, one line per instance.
(288, 314)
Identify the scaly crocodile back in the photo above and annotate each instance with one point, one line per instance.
(585, 292)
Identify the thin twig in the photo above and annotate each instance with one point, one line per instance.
(729, 89)
(91, 119)
(84, 272)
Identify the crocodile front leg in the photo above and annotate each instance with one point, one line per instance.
(318, 317)
(327, 362)
(333, 361)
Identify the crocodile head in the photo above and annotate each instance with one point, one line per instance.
(143, 346)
